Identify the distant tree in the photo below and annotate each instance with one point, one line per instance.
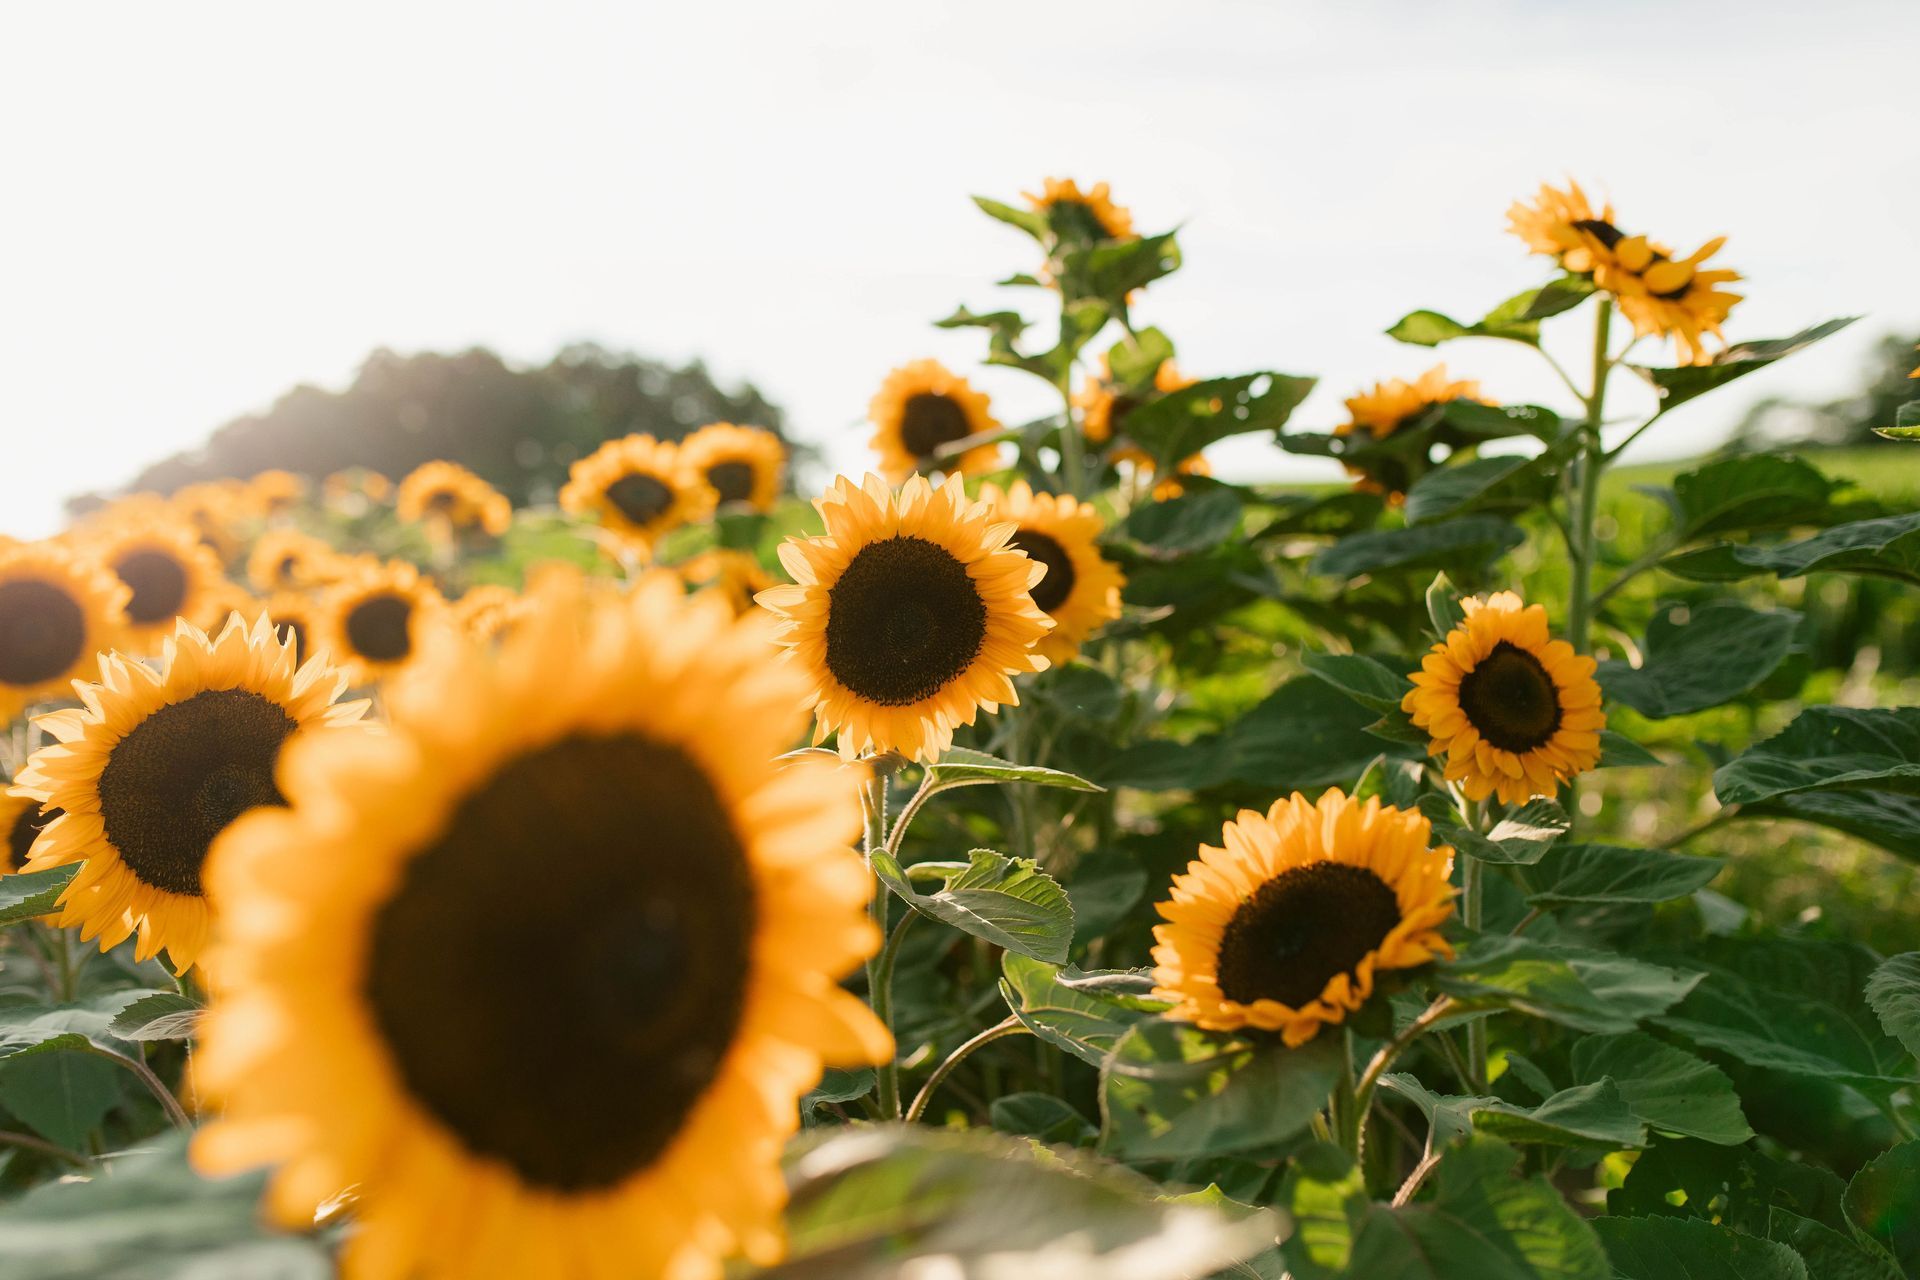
(1884, 387)
(518, 428)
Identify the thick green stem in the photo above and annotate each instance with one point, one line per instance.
(1349, 1119)
(1592, 461)
(880, 967)
(1073, 462)
(1472, 914)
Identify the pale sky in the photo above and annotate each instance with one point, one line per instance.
(205, 204)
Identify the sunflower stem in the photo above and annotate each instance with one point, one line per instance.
(163, 1095)
(1592, 461)
(880, 966)
(1009, 1027)
(1472, 913)
(1350, 1121)
(1073, 465)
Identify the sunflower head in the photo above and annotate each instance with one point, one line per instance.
(739, 464)
(1081, 588)
(217, 510)
(58, 610)
(923, 407)
(21, 821)
(639, 489)
(289, 560)
(353, 489)
(1664, 296)
(450, 499)
(737, 575)
(294, 617)
(600, 791)
(169, 573)
(373, 621)
(1081, 217)
(908, 616)
(155, 767)
(1289, 925)
(1377, 414)
(487, 611)
(273, 493)
(1563, 225)
(1515, 712)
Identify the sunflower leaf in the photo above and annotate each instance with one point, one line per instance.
(1678, 385)
(1662, 1248)
(1593, 991)
(1506, 482)
(1750, 491)
(1443, 606)
(158, 1015)
(1893, 992)
(960, 767)
(1604, 873)
(1618, 751)
(1882, 1209)
(1906, 423)
(1197, 520)
(1368, 681)
(1112, 269)
(1591, 1115)
(1031, 221)
(1827, 749)
(1077, 1017)
(1008, 902)
(1469, 545)
(1665, 1086)
(1700, 657)
(1179, 424)
(28, 895)
(1522, 838)
(1884, 547)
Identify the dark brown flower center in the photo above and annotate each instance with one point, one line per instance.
(158, 582)
(1605, 232)
(1300, 929)
(181, 775)
(903, 621)
(1051, 591)
(929, 420)
(1511, 700)
(27, 824)
(559, 975)
(43, 631)
(379, 627)
(639, 498)
(733, 481)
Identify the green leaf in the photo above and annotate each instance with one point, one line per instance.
(1104, 885)
(1008, 902)
(1197, 520)
(1472, 543)
(1884, 818)
(1368, 681)
(1324, 1193)
(1887, 547)
(1304, 734)
(1677, 386)
(1738, 1186)
(1508, 483)
(1112, 269)
(1521, 838)
(1605, 873)
(959, 767)
(1083, 692)
(1517, 319)
(158, 1015)
(1595, 991)
(1031, 221)
(1589, 1115)
(1618, 751)
(60, 1089)
(1171, 1090)
(1136, 358)
(1693, 1249)
(1667, 1087)
(1751, 491)
(1696, 657)
(1893, 992)
(1042, 1117)
(1829, 1255)
(28, 895)
(1906, 423)
(1084, 1021)
(839, 1085)
(1564, 294)
(1882, 1205)
(1179, 424)
(1443, 606)
(1826, 749)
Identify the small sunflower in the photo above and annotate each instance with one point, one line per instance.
(1081, 589)
(1385, 408)
(619, 1107)
(921, 407)
(1564, 226)
(910, 615)
(58, 611)
(740, 464)
(372, 621)
(1663, 296)
(289, 560)
(1089, 215)
(639, 489)
(1288, 926)
(216, 509)
(155, 767)
(485, 612)
(449, 499)
(737, 575)
(169, 573)
(1515, 712)
(21, 822)
(274, 493)
(294, 616)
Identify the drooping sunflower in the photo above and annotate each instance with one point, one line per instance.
(1664, 296)
(21, 821)
(169, 573)
(1081, 589)
(372, 621)
(908, 616)
(289, 560)
(737, 575)
(273, 493)
(639, 489)
(155, 768)
(921, 407)
(58, 611)
(448, 499)
(618, 1108)
(1089, 215)
(1389, 405)
(1563, 225)
(1289, 924)
(740, 464)
(1515, 712)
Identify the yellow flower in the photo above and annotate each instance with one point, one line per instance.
(1288, 926)
(543, 971)
(1390, 405)
(1663, 296)
(372, 621)
(352, 488)
(216, 509)
(639, 489)
(485, 612)
(1563, 225)
(740, 464)
(1515, 712)
(58, 611)
(289, 560)
(921, 407)
(450, 498)
(154, 769)
(294, 617)
(910, 615)
(169, 573)
(21, 821)
(273, 493)
(736, 575)
(1089, 215)
(1081, 588)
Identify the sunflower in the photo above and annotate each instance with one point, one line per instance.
(273, 493)
(619, 1107)
(486, 611)
(289, 560)
(1666, 296)
(1288, 926)
(215, 509)
(294, 616)
(1515, 713)
(353, 489)
(1563, 225)
(909, 615)
(740, 464)
(169, 573)
(1168, 486)
(921, 407)
(639, 489)
(156, 767)
(21, 821)
(737, 575)
(1081, 588)
(1104, 404)
(371, 622)
(1089, 215)
(1385, 408)
(448, 498)
(58, 611)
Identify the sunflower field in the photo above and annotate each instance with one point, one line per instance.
(1037, 857)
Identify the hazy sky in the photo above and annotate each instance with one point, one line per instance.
(205, 204)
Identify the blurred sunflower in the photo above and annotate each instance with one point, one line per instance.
(737, 575)
(169, 573)
(293, 615)
(1663, 296)
(58, 611)
(1089, 216)
(274, 493)
(618, 1108)
(353, 488)
(155, 767)
(1515, 712)
(289, 560)
(910, 615)
(486, 611)
(216, 509)
(1081, 589)
(449, 499)
(1563, 225)
(1104, 404)
(639, 489)
(372, 621)
(1289, 925)
(740, 464)
(921, 407)
(1385, 408)
(21, 821)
